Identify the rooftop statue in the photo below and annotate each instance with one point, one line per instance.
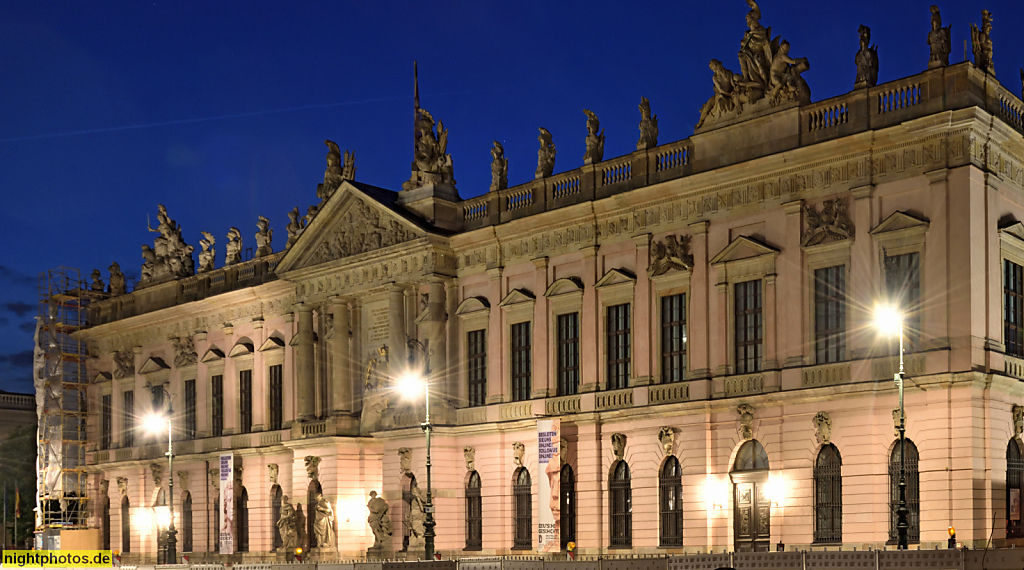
(97, 281)
(938, 41)
(499, 167)
(545, 155)
(117, 284)
(866, 60)
(648, 126)
(170, 257)
(726, 99)
(233, 250)
(264, 237)
(348, 169)
(431, 164)
(333, 175)
(310, 214)
(207, 257)
(981, 43)
(294, 227)
(595, 140)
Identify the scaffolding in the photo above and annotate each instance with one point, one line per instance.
(61, 382)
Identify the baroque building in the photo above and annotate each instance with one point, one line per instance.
(695, 315)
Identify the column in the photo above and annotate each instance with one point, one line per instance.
(642, 314)
(305, 367)
(341, 374)
(453, 370)
(590, 317)
(698, 301)
(397, 359)
(864, 270)
(543, 384)
(434, 336)
(496, 381)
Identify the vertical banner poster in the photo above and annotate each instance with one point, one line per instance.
(548, 459)
(227, 504)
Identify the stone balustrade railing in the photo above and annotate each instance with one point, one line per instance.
(17, 402)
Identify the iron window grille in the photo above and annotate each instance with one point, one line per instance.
(126, 525)
(217, 405)
(903, 288)
(476, 365)
(474, 513)
(106, 421)
(1013, 308)
(913, 491)
(190, 409)
(522, 498)
(567, 506)
(186, 523)
(621, 506)
(276, 398)
(618, 343)
(673, 338)
(828, 495)
(568, 354)
(245, 401)
(521, 366)
(128, 418)
(1014, 489)
(830, 314)
(671, 503)
(749, 327)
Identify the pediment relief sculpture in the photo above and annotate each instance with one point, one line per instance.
(360, 230)
(124, 364)
(184, 351)
(672, 253)
(832, 223)
(170, 257)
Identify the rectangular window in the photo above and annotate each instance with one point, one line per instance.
(673, 338)
(1013, 308)
(128, 418)
(217, 405)
(830, 314)
(106, 421)
(618, 346)
(521, 368)
(476, 366)
(568, 354)
(749, 327)
(276, 406)
(190, 409)
(244, 401)
(903, 289)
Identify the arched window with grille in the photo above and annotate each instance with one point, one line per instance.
(621, 495)
(670, 492)
(913, 491)
(186, 523)
(828, 495)
(474, 513)
(567, 506)
(1014, 484)
(242, 522)
(275, 515)
(126, 525)
(522, 501)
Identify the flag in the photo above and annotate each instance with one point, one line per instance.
(17, 502)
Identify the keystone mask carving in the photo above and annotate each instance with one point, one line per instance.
(518, 450)
(273, 469)
(619, 445)
(746, 412)
(667, 437)
(822, 427)
(312, 467)
(470, 454)
(1018, 420)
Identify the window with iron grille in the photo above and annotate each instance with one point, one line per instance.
(1013, 308)
(671, 500)
(186, 523)
(567, 506)
(244, 401)
(521, 367)
(476, 366)
(828, 495)
(749, 327)
(568, 354)
(190, 409)
(217, 405)
(903, 289)
(913, 491)
(673, 338)
(106, 421)
(128, 418)
(126, 525)
(621, 506)
(276, 396)
(522, 501)
(474, 513)
(617, 333)
(1014, 490)
(830, 314)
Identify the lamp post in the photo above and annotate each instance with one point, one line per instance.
(888, 320)
(410, 383)
(155, 423)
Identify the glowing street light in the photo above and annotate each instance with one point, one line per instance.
(155, 423)
(411, 383)
(888, 320)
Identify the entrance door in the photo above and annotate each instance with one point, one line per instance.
(752, 517)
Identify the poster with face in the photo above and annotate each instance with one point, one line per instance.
(549, 460)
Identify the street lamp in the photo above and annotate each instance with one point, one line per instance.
(410, 383)
(889, 322)
(154, 423)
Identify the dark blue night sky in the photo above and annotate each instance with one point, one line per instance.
(219, 109)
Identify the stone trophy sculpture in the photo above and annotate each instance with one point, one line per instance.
(866, 60)
(233, 250)
(264, 237)
(648, 126)
(938, 41)
(333, 176)
(170, 257)
(595, 140)
(545, 155)
(208, 256)
(981, 43)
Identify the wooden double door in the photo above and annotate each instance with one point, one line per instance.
(751, 513)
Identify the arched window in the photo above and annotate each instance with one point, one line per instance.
(105, 522)
(126, 525)
(913, 491)
(275, 514)
(522, 501)
(828, 495)
(751, 457)
(242, 522)
(567, 506)
(621, 506)
(1014, 484)
(186, 523)
(312, 492)
(474, 513)
(670, 487)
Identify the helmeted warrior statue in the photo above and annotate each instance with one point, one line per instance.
(499, 167)
(648, 126)
(545, 155)
(981, 43)
(595, 140)
(938, 41)
(233, 250)
(264, 237)
(333, 175)
(866, 60)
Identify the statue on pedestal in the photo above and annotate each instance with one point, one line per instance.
(333, 175)
(595, 140)
(287, 526)
(981, 43)
(264, 237)
(170, 257)
(416, 516)
(866, 60)
(499, 167)
(294, 227)
(233, 250)
(938, 41)
(323, 524)
(379, 521)
(117, 284)
(648, 126)
(431, 162)
(546, 155)
(208, 256)
(97, 281)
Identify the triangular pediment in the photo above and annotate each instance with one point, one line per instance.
(472, 306)
(1016, 230)
(898, 221)
(153, 364)
(517, 297)
(356, 220)
(615, 277)
(212, 354)
(102, 377)
(564, 286)
(272, 343)
(743, 247)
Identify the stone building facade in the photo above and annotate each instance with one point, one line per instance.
(695, 314)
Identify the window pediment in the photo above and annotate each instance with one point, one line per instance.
(743, 248)
(901, 223)
(102, 377)
(153, 364)
(242, 348)
(473, 306)
(565, 286)
(615, 277)
(1013, 232)
(212, 354)
(272, 343)
(517, 297)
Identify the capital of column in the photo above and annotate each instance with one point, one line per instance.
(699, 228)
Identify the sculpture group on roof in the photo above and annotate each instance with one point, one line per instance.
(981, 43)
(170, 257)
(431, 162)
